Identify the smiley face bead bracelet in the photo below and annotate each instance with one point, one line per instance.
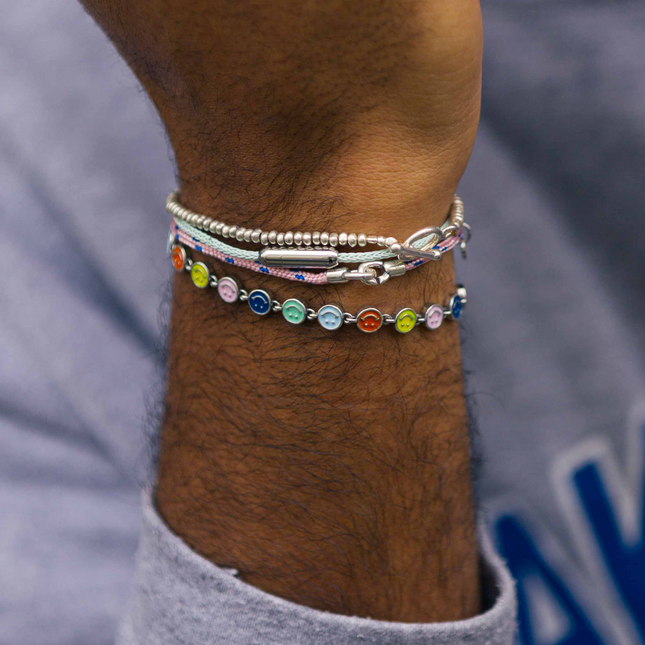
(329, 316)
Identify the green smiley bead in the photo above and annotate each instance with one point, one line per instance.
(406, 320)
(200, 274)
(294, 311)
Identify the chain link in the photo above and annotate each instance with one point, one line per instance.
(348, 319)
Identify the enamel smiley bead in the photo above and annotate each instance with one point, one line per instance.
(330, 317)
(200, 274)
(294, 311)
(178, 257)
(369, 320)
(406, 320)
(228, 289)
(434, 316)
(260, 302)
(457, 303)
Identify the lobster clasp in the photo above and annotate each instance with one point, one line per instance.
(431, 236)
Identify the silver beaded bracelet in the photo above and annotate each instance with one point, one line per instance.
(330, 317)
(273, 238)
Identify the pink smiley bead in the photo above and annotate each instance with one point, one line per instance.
(228, 289)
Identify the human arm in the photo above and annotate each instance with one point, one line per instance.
(332, 471)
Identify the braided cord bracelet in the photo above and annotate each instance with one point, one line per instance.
(329, 316)
(343, 258)
(366, 273)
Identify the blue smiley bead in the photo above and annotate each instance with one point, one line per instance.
(260, 302)
(455, 307)
(330, 317)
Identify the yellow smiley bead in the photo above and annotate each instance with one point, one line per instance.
(200, 274)
(406, 320)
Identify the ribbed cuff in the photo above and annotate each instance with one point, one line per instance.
(180, 598)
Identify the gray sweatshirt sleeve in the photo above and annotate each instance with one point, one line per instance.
(180, 598)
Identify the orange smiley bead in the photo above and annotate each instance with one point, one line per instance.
(178, 256)
(369, 320)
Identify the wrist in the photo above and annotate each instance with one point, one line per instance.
(391, 188)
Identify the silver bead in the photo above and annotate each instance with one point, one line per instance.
(193, 218)
(381, 240)
(206, 224)
(264, 238)
(219, 228)
(372, 239)
(279, 238)
(324, 239)
(239, 236)
(247, 235)
(297, 238)
(288, 238)
(306, 239)
(256, 235)
(225, 230)
(342, 239)
(316, 238)
(199, 221)
(362, 239)
(232, 231)
(273, 236)
(333, 239)
(352, 239)
(213, 226)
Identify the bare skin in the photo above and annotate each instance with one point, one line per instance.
(330, 469)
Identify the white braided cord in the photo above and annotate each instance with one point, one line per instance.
(243, 254)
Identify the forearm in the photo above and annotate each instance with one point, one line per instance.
(332, 470)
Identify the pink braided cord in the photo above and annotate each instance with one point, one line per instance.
(295, 275)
